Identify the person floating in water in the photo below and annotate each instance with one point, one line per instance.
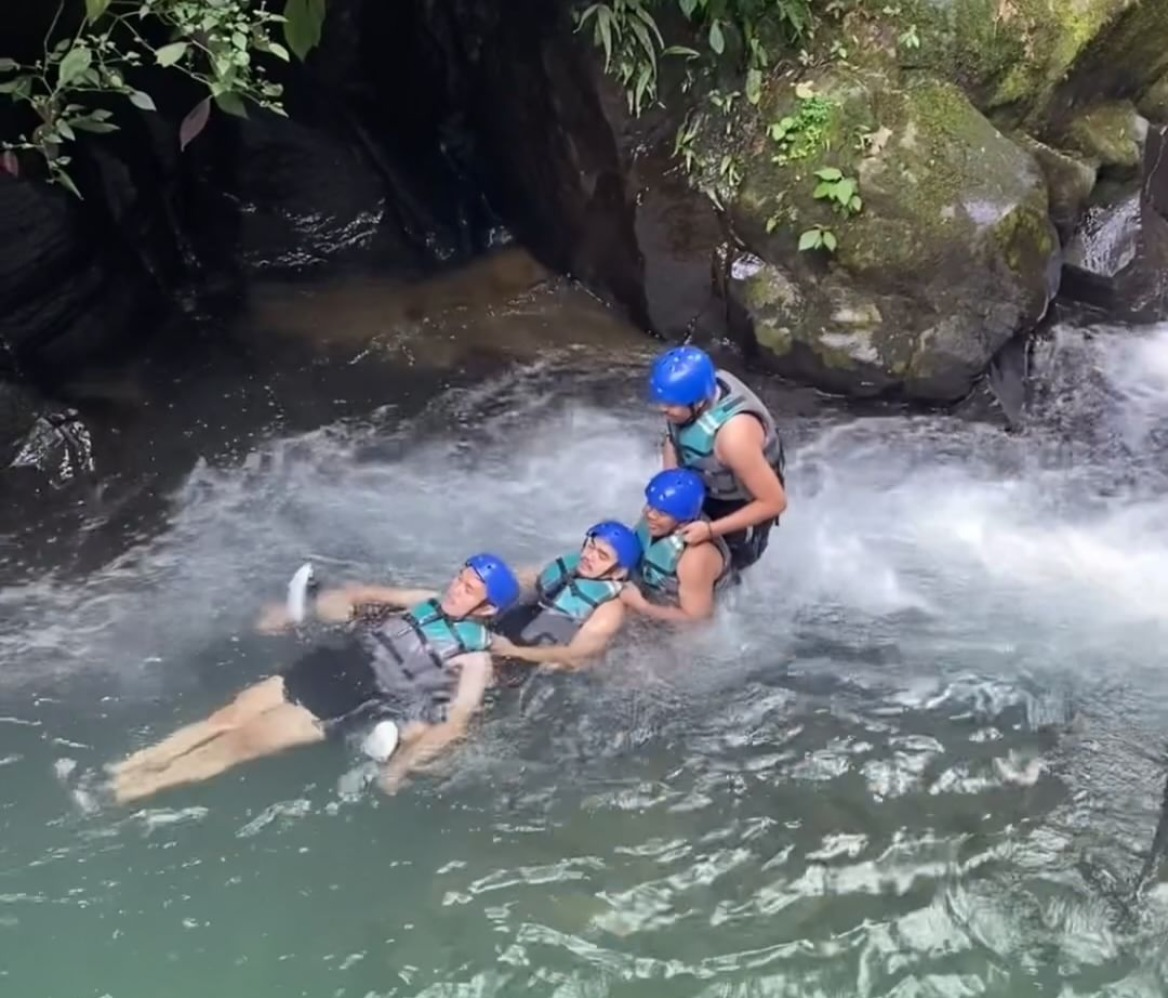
(678, 579)
(425, 669)
(572, 609)
(719, 428)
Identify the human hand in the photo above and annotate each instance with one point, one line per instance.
(503, 646)
(697, 532)
(632, 597)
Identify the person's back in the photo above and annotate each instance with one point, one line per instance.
(694, 443)
(720, 429)
(659, 579)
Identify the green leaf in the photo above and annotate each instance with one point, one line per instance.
(142, 100)
(604, 30)
(823, 190)
(809, 240)
(90, 125)
(651, 24)
(643, 81)
(681, 50)
(856, 204)
(688, 7)
(13, 85)
(94, 9)
(829, 173)
(279, 51)
(303, 20)
(8, 65)
(232, 103)
(753, 86)
(77, 60)
(61, 177)
(772, 223)
(168, 55)
(717, 42)
(646, 41)
(829, 239)
(65, 131)
(845, 189)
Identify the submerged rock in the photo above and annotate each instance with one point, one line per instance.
(951, 255)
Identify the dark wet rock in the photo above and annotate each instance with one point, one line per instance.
(1155, 178)
(1154, 103)
(1069, 182)
(19, 409)
(1118, 257)
(66, 294)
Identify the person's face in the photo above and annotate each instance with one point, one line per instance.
(597, 559)
(679, 415)
(466, 595)
(660, 524)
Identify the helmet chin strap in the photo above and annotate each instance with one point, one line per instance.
(695, 412)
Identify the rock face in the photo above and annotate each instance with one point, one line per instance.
(952, 253)
(1028, 61)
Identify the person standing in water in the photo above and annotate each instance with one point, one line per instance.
(425, 669)
(719, 428)
(679, 578)
(572, 609)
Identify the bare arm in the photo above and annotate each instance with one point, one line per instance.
(473, 680)
(389, 595)
(697, 571)
(591, 640)
(335, 606)
(739, 447)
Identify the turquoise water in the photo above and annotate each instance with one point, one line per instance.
(917, 754)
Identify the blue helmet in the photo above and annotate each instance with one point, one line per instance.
(677, 492)
(503, 587)
(621, 539)
(683, 376)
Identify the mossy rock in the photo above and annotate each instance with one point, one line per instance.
(1069, 181)
(1025, 61)
(1110, 135)
(952, 254)
(1154, 104)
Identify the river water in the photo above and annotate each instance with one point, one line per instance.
(917, 754)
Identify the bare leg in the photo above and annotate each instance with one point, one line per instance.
(280, 728)
(247, 705)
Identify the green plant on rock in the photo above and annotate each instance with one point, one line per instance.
(799, 134)
(838, 190)
(632, 43)
(842, 193)
(627, 31)
(818, 237)
(213, 42)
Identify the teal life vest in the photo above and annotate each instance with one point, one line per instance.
(409, 652)
(657, 578)
(694, 442)
(562, 604)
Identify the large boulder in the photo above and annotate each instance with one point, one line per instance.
(951, 253)
(1026, 62)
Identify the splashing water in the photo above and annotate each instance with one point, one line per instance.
(916, 754)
